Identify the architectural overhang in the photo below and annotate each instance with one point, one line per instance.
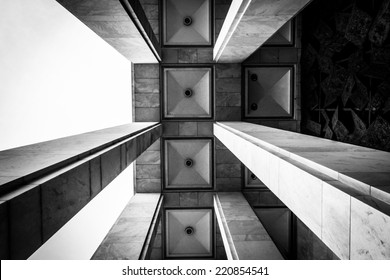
(249, 24)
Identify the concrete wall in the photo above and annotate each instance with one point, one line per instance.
(228, 169)
(228, 92)
(146, 92)
(57, 77)
(148, 170)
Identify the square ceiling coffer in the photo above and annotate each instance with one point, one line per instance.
(283, 37)
(189, 233)
(251, 180)
(188, 164)
(187, 22)
(269, 92)
(187, 93)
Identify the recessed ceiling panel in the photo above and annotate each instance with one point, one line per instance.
(251, 180)
(189, 233)
(188, 163)
(268, 92)
(187, 22)
(283, 37)
(187, 93)
(277, 222)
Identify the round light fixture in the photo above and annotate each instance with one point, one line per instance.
(189, 230)
(188, 162)
(187, 21)
(188, 92)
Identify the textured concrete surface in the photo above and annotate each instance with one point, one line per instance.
(321, 182)
(37, 210)
(110, 21)
(29, 162)
(126, 238)
(249, 24)
(244, 235)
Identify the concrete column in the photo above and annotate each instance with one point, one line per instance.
(42, 186)
(130, 236)
(340, 191)
(249, 24)
(243, 235)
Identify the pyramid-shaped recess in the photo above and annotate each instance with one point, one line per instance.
(251, 180)
(284, 36)
(181, 244)
(277, 223)
(179, 105)
(268, 92)
(179, 32)
(178, 174)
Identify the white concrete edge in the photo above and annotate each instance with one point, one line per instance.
(304, 161)
(148, 41)
(229, 25)
(231, 252)
(283, 153)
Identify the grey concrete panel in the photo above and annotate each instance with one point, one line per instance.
(111, 165)
(63, 197)
(24, 210)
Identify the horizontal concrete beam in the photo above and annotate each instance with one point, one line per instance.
(34, 211)
(130, 236)
(24, 164)
(328, 185)
(249, 24)
(243, 235)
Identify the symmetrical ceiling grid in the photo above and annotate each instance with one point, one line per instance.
(188, 100)
(191, 85)
(188, 91)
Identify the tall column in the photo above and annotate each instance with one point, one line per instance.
(340, 191)
(41, 189)
(249, 24)
(130, 236)
(243, 235)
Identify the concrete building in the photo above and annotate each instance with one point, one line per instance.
(194, 129)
